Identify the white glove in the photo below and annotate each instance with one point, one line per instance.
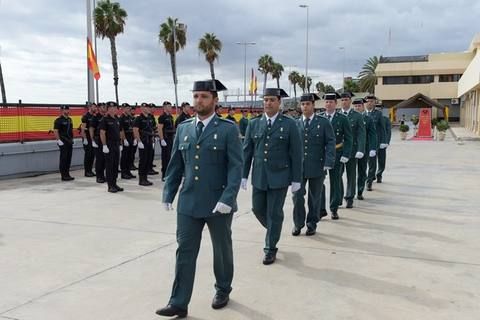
(327, 168)
(163, 143)
(359, 155)
(135, 142)
(343, 159)
(94, 144)
(85, 142)
(295, 186)
(222, 208)
(167, 206)
(121, 148)
(243, 185)
(105, 149)
(153, 145)
(60, 143)
(372, 153)
(157, 139)
(125, 143)
(140, 145)
(383, 145)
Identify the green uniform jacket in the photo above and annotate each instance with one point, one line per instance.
(212, 166)
(343, 134)
(371, 143)
(379, 122)
(276, 155)
(243, 126)
(358, 131)
(318, 142)
(388, 129)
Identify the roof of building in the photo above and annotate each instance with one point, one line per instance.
(410, 102)
(400, 59)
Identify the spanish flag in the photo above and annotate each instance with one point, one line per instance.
(253, 84)
(92, 60)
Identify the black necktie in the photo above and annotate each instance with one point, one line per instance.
(307, 122)
(200, 126)
(329, 117)
(269, 124)
(345, 112)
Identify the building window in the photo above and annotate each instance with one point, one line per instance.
(449, 77)
(408, 79)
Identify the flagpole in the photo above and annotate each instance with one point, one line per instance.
(96, 55)
(90, 82)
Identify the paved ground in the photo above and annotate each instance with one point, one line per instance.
(410, 251)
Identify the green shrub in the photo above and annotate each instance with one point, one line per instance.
(442, 125)
(404, 128)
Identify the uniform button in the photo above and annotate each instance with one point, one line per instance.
(196, 178)
(306, 141)
(198, 147)
(214, 148)
(197, 157)
(306, 147)
(196, 168)
(266, 144)
(305, 153)
(265, 160)
(268, 137)
(265, 151)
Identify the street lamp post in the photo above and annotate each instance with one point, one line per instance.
(306, 49)
(343, 67)
(245, 44)
(2, 83)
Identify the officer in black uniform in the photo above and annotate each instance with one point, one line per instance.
(151, 165)
(126, 135)
(166, 131)
(63, 130)
(97, 143)
(110, 136)
(184, 115)
(143, 131)
(230, 116)
(89, 156)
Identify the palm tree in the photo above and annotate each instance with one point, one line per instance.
(351, 86)
(109, 23)
(277, 70)
(169, 31)
(2, 86)
(301, 83)
(265, 64)
(367, 76)
(320, 86)
(329, 89)
(294, 78)
(210, 46)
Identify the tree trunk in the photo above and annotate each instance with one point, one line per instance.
(2, 86)
(212, 71)
(265, 82)
(295, 92)
(113, 48)
(278, 83)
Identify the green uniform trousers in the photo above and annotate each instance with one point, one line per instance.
(362, 174)
(351, 168)
(335, 177)
(372, 168)
(268, 208)
(315, 187)
(382, 159)
(189, 236)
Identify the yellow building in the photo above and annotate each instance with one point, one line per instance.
(414, 82)
(469, 90)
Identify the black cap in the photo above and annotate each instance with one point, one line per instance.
(208, 85)
(185, 104)
(358, 101)
(275, 92)
(331, 96)
(125, 105)
(111, 104)
(309, 97)
(166, 103)
(64, 107)
(370, 96)
(347, 94)
(144, 104)
(152, 105)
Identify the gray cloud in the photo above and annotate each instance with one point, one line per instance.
(43, 42)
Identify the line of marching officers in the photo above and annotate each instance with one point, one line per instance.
(211, 160)
(110, 141)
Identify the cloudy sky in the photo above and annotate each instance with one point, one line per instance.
(43, 51)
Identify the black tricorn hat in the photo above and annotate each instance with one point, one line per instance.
(331, 96)
(275, 92)
(208, 85)
(309, 97)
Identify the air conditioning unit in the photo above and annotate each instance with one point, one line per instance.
(455, 101)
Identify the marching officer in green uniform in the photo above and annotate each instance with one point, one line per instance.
(318, 141)
(110, 136)
(144, 132)
(243, 124)
(379, 122)
(63, 130)
(382, 153)
(343, 150)
(370, 146)
(126, 135)
(358, 146)
(273, 142)
(207, 155)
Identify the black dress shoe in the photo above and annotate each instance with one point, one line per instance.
(310, 231)
(360, 197)
(171, 311)
(153, 172)
(269, 258)
(132, 176)
(133, 168)
(89, 174)
(369, 186)
(145, 183)
(335, 215)
(220, 301)
(323, 213)
(349, 204)
(126, 176)
(68, 178)
(100, 180)
(118, 188)
(296, 231)
(379, 179)
(112, 190)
